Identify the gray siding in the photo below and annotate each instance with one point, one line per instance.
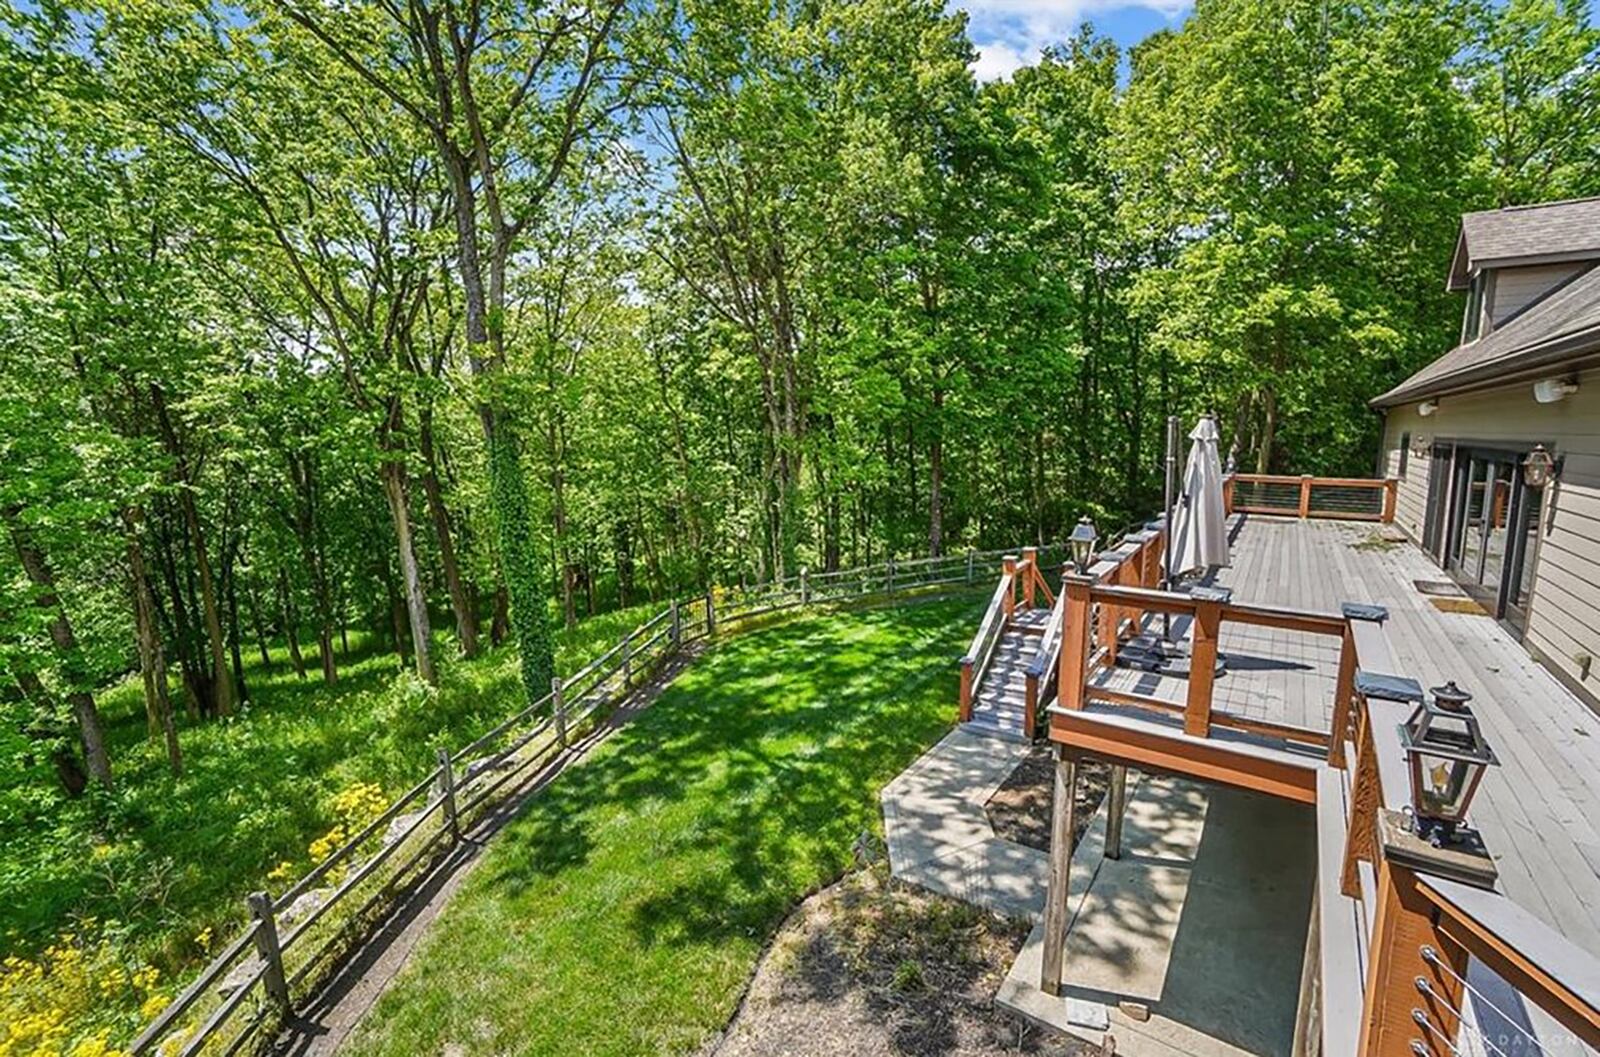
(1564, 621)
(1516, 288)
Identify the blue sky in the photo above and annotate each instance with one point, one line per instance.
(1010, 33)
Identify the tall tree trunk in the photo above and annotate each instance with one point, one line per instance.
(221, 675)
(291, 626)
(196, 683)
(37, 567)
(394, 487)
(1269, 429)
(152, 655)
(397, 617)
(258, 626)
(500, 623)
(230, 565)
(936, 478)
(460, 598)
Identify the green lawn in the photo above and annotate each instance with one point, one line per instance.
(151, 865)
(624, 910)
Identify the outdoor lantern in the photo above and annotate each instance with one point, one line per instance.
(1447, 754)
(1083, 539)
(1538, 468)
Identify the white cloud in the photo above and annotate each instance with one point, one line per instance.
(997, 59)
(1012, 33)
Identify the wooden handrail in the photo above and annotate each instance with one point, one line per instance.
(1043, 665)
(977, 657)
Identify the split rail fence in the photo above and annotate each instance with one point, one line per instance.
(293, 941)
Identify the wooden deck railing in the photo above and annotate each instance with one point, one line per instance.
(1346, 498)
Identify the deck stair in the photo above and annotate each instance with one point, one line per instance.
(1000, 705)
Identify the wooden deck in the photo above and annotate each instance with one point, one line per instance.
(1539, 812)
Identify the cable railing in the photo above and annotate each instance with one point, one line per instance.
(1306, 496)
(291, 943)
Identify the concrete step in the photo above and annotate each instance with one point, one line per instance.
(980, 724)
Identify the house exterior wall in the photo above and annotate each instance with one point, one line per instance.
(1564, 617)
(1516, 288)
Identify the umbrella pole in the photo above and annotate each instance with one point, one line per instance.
(1166, 506)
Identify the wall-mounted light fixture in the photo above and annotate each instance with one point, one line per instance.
(1553, 390)
(1538, 469)
(1427, 407)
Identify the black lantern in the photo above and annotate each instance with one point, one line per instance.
(1448, 756)
(1538, 468)
(1083, 539)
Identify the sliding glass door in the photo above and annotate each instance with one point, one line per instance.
(1494, 524)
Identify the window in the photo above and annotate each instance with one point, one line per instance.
(1405, 453)
(1474, 320)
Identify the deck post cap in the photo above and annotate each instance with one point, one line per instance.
(1211, 594)
(1363, 611)
(1388, 687)
(1465, 860)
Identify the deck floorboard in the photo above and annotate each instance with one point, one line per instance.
(1540, 813)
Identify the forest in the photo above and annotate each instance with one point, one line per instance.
(410, 329)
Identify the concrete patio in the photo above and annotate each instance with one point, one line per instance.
(1201, 922)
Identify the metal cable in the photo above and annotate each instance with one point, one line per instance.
(1421, 1020)
(1426, 988)
(1432, 957)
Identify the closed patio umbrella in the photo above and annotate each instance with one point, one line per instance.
(1200, 538)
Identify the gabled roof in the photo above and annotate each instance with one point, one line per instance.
(1537, 234)
(1550, 333)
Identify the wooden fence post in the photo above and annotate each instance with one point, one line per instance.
(805, 591)
(560, 708)
(969, 564)
(711, 613)
(272, 978)
(1305, 495)
(627, 661)
(891, 574)
(447, 789)
(1030, 559)
(677, 625)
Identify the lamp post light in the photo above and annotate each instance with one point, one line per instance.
(1538, 468)
(1083, 540)
(1447, 755)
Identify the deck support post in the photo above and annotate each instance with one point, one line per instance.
(1202, 665)
(1414, 970)
(1344, 692)
(1030, 561)
(1116, 808)
(966, 689)
(1391, 489)
(1074, 663)
(1062, 811)
(1305, 495)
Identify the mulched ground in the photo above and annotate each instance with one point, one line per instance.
(872, 968)
(1020, 809)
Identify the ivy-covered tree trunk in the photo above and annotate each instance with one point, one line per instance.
(519, 564)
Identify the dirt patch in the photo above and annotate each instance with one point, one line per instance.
(871, 968)
(1019, 810)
